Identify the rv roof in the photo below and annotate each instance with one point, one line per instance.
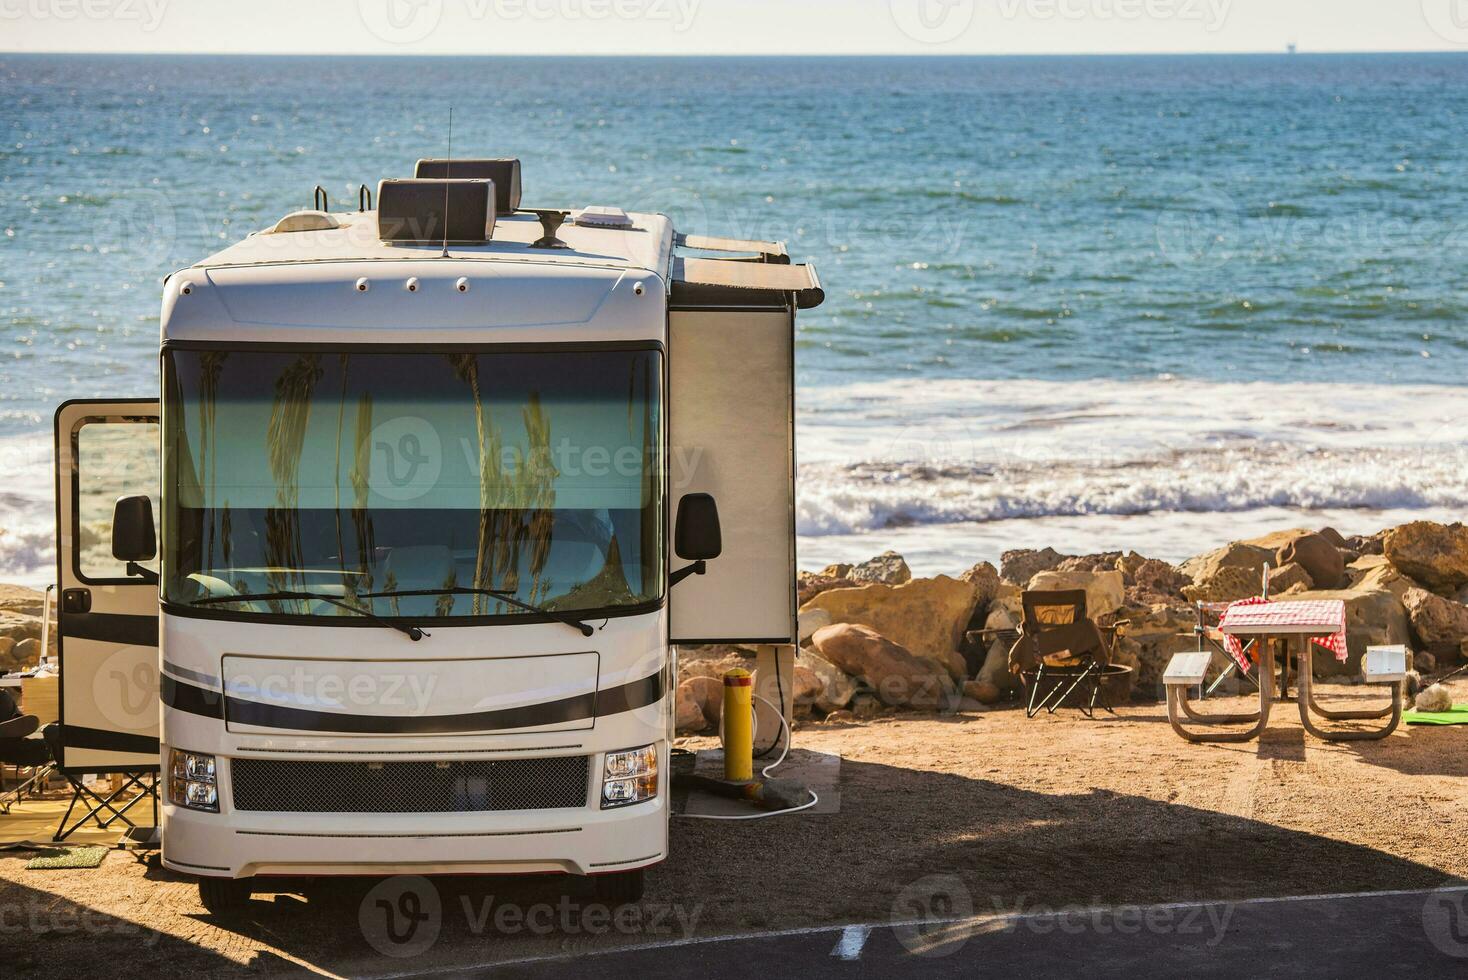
(648, 244)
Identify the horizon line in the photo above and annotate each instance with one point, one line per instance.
(740, 54)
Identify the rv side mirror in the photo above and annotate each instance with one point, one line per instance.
(697, 536)
(133, 539)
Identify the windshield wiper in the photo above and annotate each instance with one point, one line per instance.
(501, 594)
(413, 633)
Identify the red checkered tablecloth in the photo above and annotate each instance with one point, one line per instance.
(1261, 617)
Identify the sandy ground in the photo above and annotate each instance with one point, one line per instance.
(989, 812)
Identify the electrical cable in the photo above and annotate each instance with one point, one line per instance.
(765, 772)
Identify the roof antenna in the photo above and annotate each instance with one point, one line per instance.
(448, 169)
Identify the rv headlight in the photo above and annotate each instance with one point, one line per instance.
(191, 781)
(629, 776)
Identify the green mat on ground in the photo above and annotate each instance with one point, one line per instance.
(70, 857)
(1458, 716)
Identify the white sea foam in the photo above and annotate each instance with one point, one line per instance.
(886, 456)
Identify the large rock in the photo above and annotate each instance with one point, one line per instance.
(1441, 624)
(1287, 577)
(1226, 584)
(926, 616)
(1019, 566)
(1370, 572)
(984, 577)
(1149, 580)
(1235, 571)
(708, 694)
(1434, 554)
(899, 678)
(837, 687)
(995, 669)
(1105, 591)
(888, 568)
(811, 620)
(1316, 555)
(808, 585)
(689, 716)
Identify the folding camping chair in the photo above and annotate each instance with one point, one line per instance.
(19, 749)
(105, 808)
(1061, 655)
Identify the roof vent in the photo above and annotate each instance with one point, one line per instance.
(413, 211)
(305, 221)
(505, 174)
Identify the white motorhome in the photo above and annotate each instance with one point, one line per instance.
(430, 494)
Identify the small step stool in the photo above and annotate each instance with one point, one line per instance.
(1385, 665)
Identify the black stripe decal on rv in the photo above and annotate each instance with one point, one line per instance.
(76, 737)
(139, 631)
(628, 697)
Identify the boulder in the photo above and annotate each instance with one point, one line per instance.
(9, 659)
(926, 616)
(1434, 554)
(888, 568)
(1440, 624)
(1320, 558)
(1285, 577)
(689, 716)
(1370, 572)
(1151, 580)
(837, 688)
(1335, 538)
(27, 652)
(1105, 591)
(808, 687)
(811, 620)
(899, 678)
(984, 577)
(1019, 566)
(982, 692)
(1226, 584)
(808, 585)
(1238, 554)
(708, 693)
(1103, 562)
(995, 669)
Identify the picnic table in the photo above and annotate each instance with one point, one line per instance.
(1306, 623)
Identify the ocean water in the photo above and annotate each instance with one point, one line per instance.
(1148, 303)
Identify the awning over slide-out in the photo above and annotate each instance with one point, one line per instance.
(801, 280)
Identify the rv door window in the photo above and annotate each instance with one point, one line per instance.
(114, 459)
(363, 474)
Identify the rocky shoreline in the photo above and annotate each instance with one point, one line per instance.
(875, 641)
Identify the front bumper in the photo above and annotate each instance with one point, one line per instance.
(583, 840)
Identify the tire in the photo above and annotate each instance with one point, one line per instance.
(620, 888)
(223, 896)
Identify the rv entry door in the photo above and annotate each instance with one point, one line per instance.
(107, 618)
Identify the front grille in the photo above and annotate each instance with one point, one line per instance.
(281, 786)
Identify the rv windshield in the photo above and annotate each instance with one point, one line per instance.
(361, 474)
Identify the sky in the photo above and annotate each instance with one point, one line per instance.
(731, 26)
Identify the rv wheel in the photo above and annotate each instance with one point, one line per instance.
(622, 888)
(221, 896)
